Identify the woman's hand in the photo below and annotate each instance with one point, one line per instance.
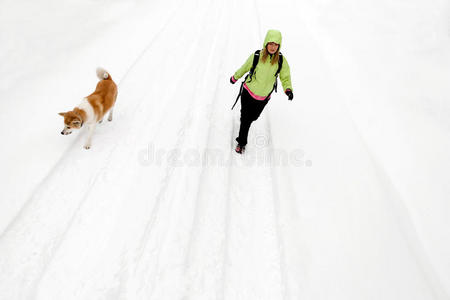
(232, 80)
(290, 95)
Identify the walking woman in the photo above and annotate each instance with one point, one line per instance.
(263, 67)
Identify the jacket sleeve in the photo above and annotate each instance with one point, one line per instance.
(285, 75)
(245, 67)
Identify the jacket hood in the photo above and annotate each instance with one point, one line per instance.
(273, 36)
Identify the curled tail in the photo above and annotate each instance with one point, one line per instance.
(102, 74)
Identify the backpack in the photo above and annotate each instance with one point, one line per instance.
(251, 73)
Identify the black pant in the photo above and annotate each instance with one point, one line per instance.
(250, 111)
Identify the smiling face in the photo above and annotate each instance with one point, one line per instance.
(71, 121)
(272, 47)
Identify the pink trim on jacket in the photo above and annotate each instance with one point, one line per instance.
(254, 96)
(234, 79)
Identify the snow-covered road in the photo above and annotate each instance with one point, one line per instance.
(325, 204)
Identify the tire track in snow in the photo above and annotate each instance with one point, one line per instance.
(275, 195)
(169, 170)
(277, 217)
(265, 214)
(205, 246)
(159, 223)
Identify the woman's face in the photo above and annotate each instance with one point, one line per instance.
(272, 47)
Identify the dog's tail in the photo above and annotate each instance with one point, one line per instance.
(102, 74)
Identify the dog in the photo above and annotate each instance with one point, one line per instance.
(92, 108)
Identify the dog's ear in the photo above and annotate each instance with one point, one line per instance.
(61, 114)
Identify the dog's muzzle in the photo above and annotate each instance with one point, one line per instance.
(66, 132)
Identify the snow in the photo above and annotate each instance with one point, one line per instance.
(342, 193)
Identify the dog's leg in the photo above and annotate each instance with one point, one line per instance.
(110, 114)
(91, 129)
(100, 122)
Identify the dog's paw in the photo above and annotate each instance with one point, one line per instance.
(109, 119)
(87, 147)
(100, 121)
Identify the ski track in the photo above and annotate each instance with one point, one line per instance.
(254, 220)
(194, 261)
(160, 221)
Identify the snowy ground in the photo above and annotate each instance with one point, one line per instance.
(354, 203)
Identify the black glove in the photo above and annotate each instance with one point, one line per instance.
(232, 81)
(289, 94)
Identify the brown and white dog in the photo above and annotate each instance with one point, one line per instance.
(92, 108)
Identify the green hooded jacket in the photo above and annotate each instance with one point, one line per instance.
(263, 77)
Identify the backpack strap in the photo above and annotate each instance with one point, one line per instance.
(255, 62)
(250, 73)
(280, 65)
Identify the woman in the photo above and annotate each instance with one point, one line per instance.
(260, 84)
